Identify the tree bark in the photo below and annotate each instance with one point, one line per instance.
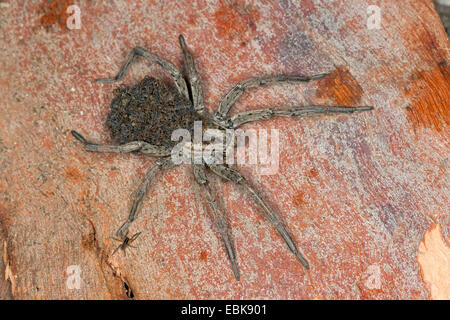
(365, 196)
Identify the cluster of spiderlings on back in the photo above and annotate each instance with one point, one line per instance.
(149, 111)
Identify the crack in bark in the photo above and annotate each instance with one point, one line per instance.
(8, 286)
(8, 281)
(92, 243)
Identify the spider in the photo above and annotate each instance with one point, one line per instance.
(143, 116)
(126, 242)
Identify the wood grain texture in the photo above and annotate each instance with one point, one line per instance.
(361, 193)
(5, 282)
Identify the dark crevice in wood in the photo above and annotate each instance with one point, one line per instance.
(5, 284)
(128, 291)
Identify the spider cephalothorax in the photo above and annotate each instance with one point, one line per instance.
(144, 116)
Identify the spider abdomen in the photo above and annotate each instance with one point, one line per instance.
(149, 111)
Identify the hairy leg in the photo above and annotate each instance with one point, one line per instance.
(233, 95)
(141, 146)
(264, 114)
(217, 216)
(153, 58)
(194, 80)
(160, 164)
(236, 177)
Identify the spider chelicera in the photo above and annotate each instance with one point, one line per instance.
(143, 117)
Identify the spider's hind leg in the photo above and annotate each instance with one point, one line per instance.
(162, 164)
(94, 147)
(236, 177)
(142, 146)
(217, 217)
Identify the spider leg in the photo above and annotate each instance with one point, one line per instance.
(115, 250)
(120, 245)
(162, 164)
(125, 242)
(141, 146)
(120, 239)
(231, 97)
(128, 241)
(236, 177)
(217, 217)
(153, 58)
(194, 80)
(264, 114)
(134, 237)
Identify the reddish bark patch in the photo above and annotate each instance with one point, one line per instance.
(73, 174)
(234, 19)
(298, 199)
(429, 92)
(203, 256)
(423, 39)
(4, 218)
(313, 173)
(308, 7)
(89, 241)
(54, 12)
(341, 87)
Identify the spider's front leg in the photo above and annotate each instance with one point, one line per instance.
(217, 216)
(153, 58)
(300, 111)
(194, 80)
(234, 176)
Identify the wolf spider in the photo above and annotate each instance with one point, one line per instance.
(143, 116)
